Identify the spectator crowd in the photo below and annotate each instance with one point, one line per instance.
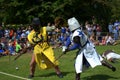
(13, 40)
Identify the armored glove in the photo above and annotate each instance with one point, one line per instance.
(37, 38)
(64, 49)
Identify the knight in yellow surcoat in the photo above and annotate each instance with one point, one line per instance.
(43, 54)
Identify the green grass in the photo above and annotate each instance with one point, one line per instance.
(66, 66)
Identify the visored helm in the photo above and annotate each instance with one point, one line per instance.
(73, 24)
(36, 24)
(36, 21)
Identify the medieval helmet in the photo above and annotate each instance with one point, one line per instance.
(73, 24)
(36, 23)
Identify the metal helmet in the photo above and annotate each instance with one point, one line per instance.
(36, 24)
(73, 24)
(36, 21)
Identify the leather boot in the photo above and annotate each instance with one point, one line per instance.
(104, 63)
(77, 76)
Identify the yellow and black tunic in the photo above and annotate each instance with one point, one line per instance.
(44, 54)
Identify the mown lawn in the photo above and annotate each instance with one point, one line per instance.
(7, 66)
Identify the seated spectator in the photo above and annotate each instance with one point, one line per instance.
(109, 39)
(92, 39)
(103, 42)
(116, 42)
(18, 47)
(115, 33)
(110, 55)
(11, 47)
(3, 51)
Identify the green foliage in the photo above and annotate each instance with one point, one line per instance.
(22, 11)
(115, 7)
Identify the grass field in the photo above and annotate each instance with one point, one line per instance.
(8, 71)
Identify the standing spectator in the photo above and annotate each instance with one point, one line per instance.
(116, 29)
(67, 31)
(1, 32)
(57, 33)
(23, 36)
(94, 30)
(2, 50)
(115, 33)
(116, 23)
(18, 33)
(89, 30)
(27, 31)
(119, 31)
(110, 27)
(11, 33)
(98, 32)
(87, 55)
(7, 33)
(49, 26)
(63, 30)
(49, 32)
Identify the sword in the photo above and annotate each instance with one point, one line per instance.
(59, 57)
(21, 53)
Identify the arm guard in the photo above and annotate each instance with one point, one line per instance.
(37, 38)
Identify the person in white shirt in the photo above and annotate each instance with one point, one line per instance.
(110, 55)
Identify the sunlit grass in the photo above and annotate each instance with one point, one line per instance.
(66, 64)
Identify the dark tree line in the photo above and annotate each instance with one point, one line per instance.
(22, 11)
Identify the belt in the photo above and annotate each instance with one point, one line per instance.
(85, 44)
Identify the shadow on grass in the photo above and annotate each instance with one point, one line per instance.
(52, 74)
(100, 77)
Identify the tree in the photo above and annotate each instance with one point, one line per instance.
(22, 11)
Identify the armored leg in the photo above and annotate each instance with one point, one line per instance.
(104, 63)
(77, 77)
